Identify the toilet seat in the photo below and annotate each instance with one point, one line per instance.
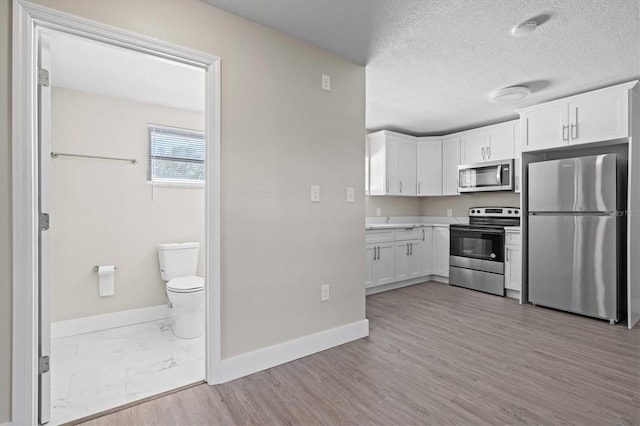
(190, 284)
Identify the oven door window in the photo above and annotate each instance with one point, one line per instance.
(478, 244)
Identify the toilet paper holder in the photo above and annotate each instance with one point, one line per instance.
(95, 268)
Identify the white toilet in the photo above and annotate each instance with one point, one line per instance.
(178, 265)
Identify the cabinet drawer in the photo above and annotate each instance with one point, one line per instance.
(378, 235)
(513, 238)
(408, 234)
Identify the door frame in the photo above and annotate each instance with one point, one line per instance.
(28, 18)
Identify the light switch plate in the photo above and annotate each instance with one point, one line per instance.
(326, 82)
(315, 194)
(324, 292)
(378, 211)
(351, 195)
(449, 212)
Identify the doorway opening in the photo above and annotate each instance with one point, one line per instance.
(126, 238)
(37, 158)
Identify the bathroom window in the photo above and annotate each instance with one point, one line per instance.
(176, 156)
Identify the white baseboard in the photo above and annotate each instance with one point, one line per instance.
(513, 294)
(262, 359)
(106, 321)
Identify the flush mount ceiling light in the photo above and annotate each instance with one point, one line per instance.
(509, 94)
(524, 28)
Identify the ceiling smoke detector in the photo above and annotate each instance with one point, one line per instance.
(509, 94)
(524, 28)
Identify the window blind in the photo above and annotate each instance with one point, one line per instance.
(175, 155)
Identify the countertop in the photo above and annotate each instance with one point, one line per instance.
(512, 228)
(402, 225)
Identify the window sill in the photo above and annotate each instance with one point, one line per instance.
(176, 184)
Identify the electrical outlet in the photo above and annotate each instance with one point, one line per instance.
(449, 212)
(324, 293)
(378, 211)
(326, 82)
(351, 195)
(315, 194)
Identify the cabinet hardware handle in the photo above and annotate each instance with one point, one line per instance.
(423, 235)
(489, 152)
(418, 187)
(374, 253)
(400, 186)
(407, 249)
(387, 185)
(517, 182)
(565, 132)
(574, 131)
(482, 152)
(507, 254)
(378, 252)
(411, 250)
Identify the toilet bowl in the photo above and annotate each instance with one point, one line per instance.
(185, 290)
(186, 295)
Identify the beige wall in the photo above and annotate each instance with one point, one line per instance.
(393, 206)
(105, 212)
(437, 206)
(280, 134)
(5, 210)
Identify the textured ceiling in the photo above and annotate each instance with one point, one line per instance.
(94, 67)
(430, 64)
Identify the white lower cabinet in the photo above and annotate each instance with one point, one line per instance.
(512, 260)
(426, 252)
(406, 254)
(380, 264)
(441, 250)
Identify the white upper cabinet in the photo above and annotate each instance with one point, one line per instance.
(472, 147)
(407, 167)
(450, 163)
(392, 164)
(429, 166)
(489, 143)
(600, 115)
(501, 141)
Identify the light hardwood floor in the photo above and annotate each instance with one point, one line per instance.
(436, 355)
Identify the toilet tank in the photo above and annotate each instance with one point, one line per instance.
(178, 260)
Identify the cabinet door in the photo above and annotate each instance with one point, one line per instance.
(545, 128)
(450, 163)
(407, 167)
(392, 172)
(472, 147)
(370, 265)
(599, 118)
(385, 272)
(441, 251)
(513, 268)
(426, 264)
(402, 260)
(415, 257)
(429, 167)
(501, 142)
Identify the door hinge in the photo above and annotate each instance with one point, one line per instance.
(44, 365)
(43, 77)
(44, 221)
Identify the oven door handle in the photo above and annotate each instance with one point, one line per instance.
(480, 231)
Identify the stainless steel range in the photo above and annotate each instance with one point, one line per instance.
(476, 258)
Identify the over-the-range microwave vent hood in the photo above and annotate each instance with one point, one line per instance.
(485, 177)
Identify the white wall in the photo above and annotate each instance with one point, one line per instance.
(105, 212)
(393, 206)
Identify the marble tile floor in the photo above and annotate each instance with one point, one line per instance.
(97, 371)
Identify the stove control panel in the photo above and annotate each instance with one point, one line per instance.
(495, 211)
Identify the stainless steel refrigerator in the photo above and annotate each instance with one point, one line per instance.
(577, 233)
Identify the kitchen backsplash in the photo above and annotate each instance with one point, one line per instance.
(460, 204)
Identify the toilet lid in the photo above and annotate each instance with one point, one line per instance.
(186, 284)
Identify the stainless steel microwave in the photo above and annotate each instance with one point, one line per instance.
(488, 176)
